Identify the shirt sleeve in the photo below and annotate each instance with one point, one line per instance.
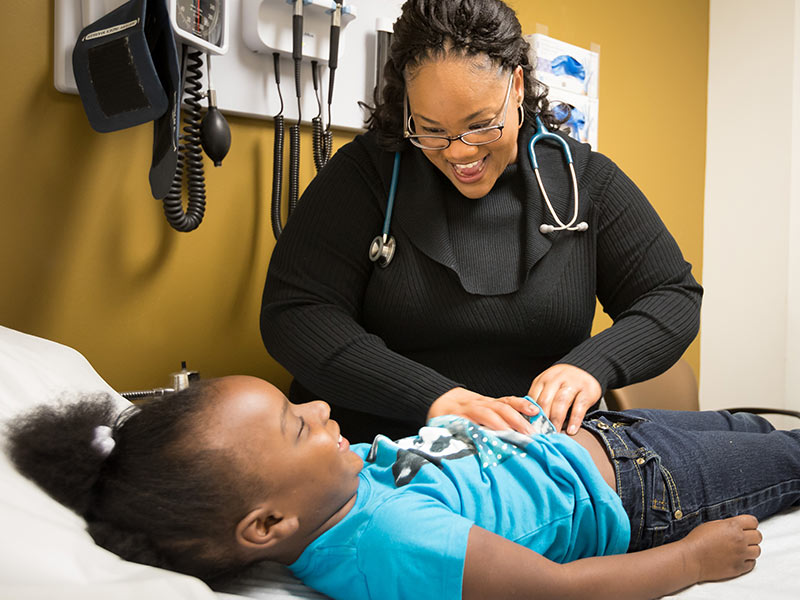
(421, 558)
(645, 286)
(312, 302)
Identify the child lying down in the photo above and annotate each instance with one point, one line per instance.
(226, 473)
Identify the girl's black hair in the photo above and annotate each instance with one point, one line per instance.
(155, 499)
(432, 29)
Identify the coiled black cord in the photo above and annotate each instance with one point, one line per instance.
(294, 145)
(294, 166)
(277, 156)
(190, 153)
(322, 139)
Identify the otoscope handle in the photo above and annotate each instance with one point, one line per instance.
(276, 59)
(333, 60)
(297, 34)
(297, 30)
(336, 28)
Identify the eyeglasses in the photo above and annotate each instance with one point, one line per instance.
(475, 137)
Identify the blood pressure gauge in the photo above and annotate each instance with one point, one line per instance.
(201, 23)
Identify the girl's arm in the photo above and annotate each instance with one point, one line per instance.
(498, 568)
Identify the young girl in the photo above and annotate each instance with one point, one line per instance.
(229, 472)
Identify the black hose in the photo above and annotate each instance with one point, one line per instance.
(333, 63)
(294, 166)
(294, 130)
(294, 143)
(190, 153)
(277, 176)
(277, 156)
(321, 139)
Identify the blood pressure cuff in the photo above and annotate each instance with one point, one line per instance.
(126, 66)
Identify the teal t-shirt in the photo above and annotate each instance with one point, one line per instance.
(406, 535)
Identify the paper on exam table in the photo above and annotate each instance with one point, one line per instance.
(777, 572)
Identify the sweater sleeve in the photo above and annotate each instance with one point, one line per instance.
(645, 286)
(312, 303)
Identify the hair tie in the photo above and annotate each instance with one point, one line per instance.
(102, 440)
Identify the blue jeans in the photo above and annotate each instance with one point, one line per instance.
(676, 469)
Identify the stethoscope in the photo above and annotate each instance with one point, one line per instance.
(383, 247)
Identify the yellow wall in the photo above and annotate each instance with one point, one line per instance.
(653, 82)
(87, 259)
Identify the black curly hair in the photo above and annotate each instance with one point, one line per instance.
(430, 30)
(155, 499)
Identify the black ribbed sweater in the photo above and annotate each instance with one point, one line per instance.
(384, 343)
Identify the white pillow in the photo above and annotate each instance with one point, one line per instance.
(45, 551)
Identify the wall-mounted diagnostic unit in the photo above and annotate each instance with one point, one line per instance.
(251, 41)
(137, 63)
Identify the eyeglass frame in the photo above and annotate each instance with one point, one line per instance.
(413, 137)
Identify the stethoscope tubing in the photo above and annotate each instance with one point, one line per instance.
(383, 246)
(387, 220)
(543, 134)
(381, 250)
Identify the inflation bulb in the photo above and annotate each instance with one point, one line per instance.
(215, 134)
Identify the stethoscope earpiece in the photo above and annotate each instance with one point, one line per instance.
(382, 252)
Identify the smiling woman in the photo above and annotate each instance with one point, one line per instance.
(442, 103)
(479, 306)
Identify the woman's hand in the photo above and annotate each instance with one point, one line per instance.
(561, 387)
(508, 412)
(726, 548)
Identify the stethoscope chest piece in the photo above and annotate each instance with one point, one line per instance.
(381, 250)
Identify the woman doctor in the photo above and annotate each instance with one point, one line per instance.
(479, 305)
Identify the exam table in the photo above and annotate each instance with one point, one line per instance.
(46, 553)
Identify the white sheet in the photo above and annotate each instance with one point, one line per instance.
(45, 553)
(776, 575)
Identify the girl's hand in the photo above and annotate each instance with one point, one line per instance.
(726, 548)
(561, 387)
(509, 412)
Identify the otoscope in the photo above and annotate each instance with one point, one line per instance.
(294, 130)
(323, 141)
(277, 155)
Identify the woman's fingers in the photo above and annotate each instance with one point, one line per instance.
(562, 388)
(522, 405)
(500, 415)
(490, 412)
(582, 403)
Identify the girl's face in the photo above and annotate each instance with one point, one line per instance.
(296, 449)
(454, 95)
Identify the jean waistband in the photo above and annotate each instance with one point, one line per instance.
(633, 467)
(609, 427)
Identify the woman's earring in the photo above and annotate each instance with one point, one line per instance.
(521, 112)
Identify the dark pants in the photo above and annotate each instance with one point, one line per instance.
(676, 469)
